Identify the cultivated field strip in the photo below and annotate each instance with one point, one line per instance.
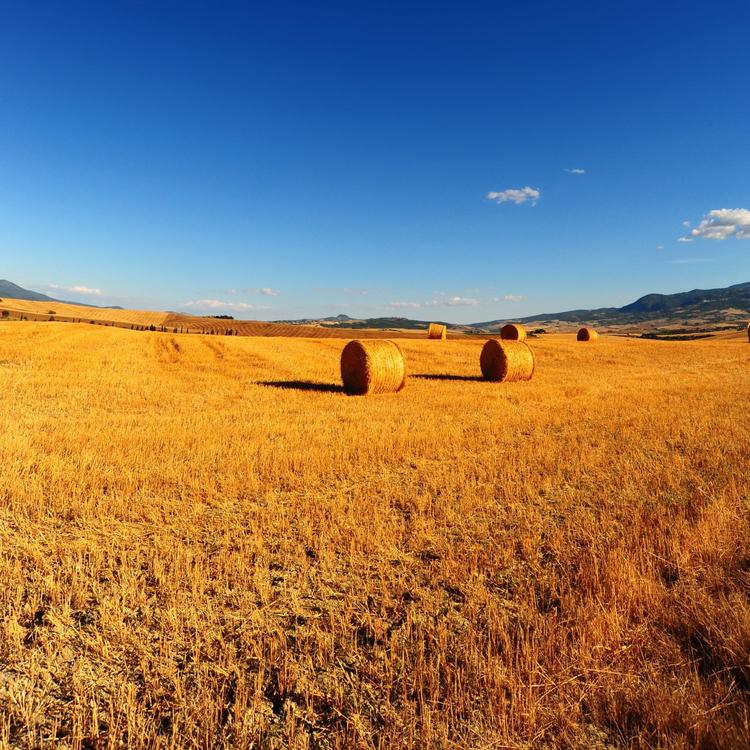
(204, 543)
(62, 311)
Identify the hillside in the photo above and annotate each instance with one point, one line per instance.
(9, 290)
(704, 311)
(725, 305)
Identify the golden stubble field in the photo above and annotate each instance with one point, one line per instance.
(200, 549)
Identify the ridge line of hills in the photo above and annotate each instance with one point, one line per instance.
(724, 305)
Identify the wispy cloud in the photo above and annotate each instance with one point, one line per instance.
(446, 301)
(575, 170)
(509, 298)
(405, 305)
(660, 247)
(720, 224)
(681, 261)
(217, 304)
(515, 195)
(355, 291)
(77, 289)
(266, 291)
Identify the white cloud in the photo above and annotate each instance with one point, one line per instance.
(459, 301)
(576, 170)
(509, 298)
(515, 195)
(216, 304)
(660, 247)
(443, 301)
(267, 291)
(721, 224)
(399, 305)
(77, 289)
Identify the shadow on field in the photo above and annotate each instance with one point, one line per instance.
(468, 378)
(302, 385)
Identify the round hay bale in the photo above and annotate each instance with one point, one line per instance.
(513, 332)
(505, 361)
(437, 331)
(372, 366)
(587, 334)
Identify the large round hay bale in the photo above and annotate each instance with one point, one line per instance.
(372, 366)
(587, 334)
(513, 332)
(506, 361)
(437, 331)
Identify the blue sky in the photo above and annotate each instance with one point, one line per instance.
(299, 160)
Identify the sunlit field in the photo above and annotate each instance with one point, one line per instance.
(204, 543)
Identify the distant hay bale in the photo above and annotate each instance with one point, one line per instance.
(587, 334)
(513, 332)
(505, 361)
(437, 331)
(372, 366)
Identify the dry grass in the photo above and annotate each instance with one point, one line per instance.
(79, 313)
(204, 543)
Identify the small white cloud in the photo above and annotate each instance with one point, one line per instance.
(459, 301)
(441, 301)
(217, 304)
(660, 247)
(515, 195)
(682, 261)
(266, 291)
(77, 289)
(509, 298)
(721, 224)
(684, 239)
(402, 305)
(576, 170)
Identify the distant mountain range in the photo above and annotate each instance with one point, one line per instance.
(726, 305)
(9, 290)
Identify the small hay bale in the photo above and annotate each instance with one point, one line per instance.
(372, 366)
(513, 332)
(437, 331)
(587, 334)
(505, 361)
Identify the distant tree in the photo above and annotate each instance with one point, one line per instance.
(5, 313)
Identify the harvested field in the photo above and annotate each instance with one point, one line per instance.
(80, 313)
(204, 543)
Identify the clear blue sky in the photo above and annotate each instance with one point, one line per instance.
(302, 159)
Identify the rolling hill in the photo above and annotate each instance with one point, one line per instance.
(703, 311)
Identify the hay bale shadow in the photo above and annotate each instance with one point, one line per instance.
(467, 378)
(302, 385)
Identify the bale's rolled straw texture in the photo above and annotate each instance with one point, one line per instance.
(372, 366)
(437, 331)
(506, 361)
(587, 334)
(513, 332)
